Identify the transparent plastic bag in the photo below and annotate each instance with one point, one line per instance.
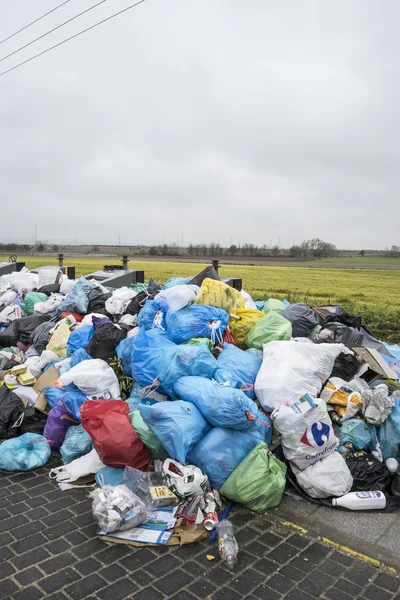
(117, 508)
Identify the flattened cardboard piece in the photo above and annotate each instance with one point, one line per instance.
(182, 535)
(42, 383)
(376, 365)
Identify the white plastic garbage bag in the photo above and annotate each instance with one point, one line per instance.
(179, 296)
(67, 285)
(23, 281)
(80, 467)
(292, 368)
(329, 476)
(130, 320)
(95, 378)
(49, 305)
(306, 437)
(49, 275)
(248, 300)
(377, 404)
(184, 480)
(119, 300)
(10, 313)
(7, 297)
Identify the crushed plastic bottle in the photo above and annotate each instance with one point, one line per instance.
(227, 544)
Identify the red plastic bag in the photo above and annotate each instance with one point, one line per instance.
(116, 442)
(78, 318)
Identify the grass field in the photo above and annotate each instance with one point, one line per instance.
(362, 260)
(373, 294)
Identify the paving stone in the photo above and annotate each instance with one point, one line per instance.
(202, 588)
(84, 587)
(283, 553)
(348, 587)
(299, 541)
(28, 543)
(247, 581)
(30, 558)
(149, 593)
(58, 580)
(374, 592)
(28, 576)
(58, 562)
(265, 593)
(27, 529)
(137, 560)
(124, 588)
(6, 570)
(173, 582)
(334, 594)
(226, 593)
(57, 546)
(7, 588)
(316, 583)
(29, 593)
(88, 566)
(332, 568)
(387, 582)
(163, 565)
(110, 573)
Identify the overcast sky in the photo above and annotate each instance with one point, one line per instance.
(225, 120)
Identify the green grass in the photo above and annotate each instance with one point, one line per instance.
(373, 294)
(371, 260)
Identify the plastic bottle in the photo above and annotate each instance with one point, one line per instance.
(392, 465)
(227, 544)
(361, 500)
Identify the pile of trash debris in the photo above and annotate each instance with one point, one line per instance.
(177, 398)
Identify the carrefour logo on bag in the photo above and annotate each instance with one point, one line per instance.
(316, 435)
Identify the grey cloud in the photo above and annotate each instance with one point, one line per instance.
(251, 120)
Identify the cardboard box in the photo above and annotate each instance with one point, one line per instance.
(42, 383)
(374, 365)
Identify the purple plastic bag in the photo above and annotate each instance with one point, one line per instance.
(56, 426)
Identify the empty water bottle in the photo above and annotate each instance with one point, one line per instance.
(227, 544)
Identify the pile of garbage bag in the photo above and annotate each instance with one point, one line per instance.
(201, 392)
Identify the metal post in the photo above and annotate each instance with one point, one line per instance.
(215, 264)
(61, 260)
(125, 261)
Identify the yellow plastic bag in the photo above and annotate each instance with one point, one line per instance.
(220, 295)
(242, 323)
(59, 339)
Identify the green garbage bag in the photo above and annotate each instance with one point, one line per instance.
(152, 443)
(258, 482)
(30, 301)
(273, 304)
(200, 340)
(269, 328)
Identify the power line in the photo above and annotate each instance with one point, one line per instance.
(35, 21)
(72, 37)
(54, 29)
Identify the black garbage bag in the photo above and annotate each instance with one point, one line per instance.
(12, 413)
(97, 302)
(345, 366)
(395, 488)
(34, 422)
(51, 288)
(207, 273)
(302, 317)
(41, 335)
(21, 330)
(154, 287)
(369, 474)
(344, 318)
(104, 341)
(349, 336)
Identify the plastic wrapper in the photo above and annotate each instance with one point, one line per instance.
(377, 404)
(117, 508)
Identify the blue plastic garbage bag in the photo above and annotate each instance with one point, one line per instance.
(79, 356)
(124, 353)
(153, 313)
(260, 304)
(219, 453)
(79, 338)
(361, 434)
(197, 320)
(147, 348)
(77, 443)
(109, 476)
(389, 433)
(221, 406)
(78, 298)
(238, 368)
(28, 451)
(71, 398)
(178, 361)
(176, 281)
(178, 425)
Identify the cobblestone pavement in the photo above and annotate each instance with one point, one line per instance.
(49, 549)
